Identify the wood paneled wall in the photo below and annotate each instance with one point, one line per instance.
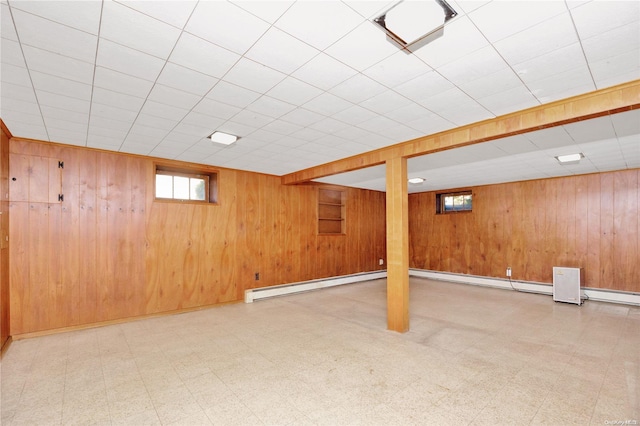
(109, 251)
(4, 234)
(588, 221)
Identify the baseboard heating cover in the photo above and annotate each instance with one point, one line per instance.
(600, 295)
(280, 290)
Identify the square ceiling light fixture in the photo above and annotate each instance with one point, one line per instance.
(223, 138)
(414, 23)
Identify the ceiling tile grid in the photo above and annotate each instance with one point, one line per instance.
(303, 83)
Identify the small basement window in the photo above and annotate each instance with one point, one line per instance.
(454, 202)
(185, 185)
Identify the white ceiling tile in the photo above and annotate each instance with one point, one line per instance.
(83, 15)
(66, 115)
(216, 108)
(562, 85)
(185, 79)
(517, 144)
(624, 40)
(597, 17)
(460, 38)
(233, 128)
(33, 130)
(61, 66)
(424, 86)
(13, 117)
(53, 37)
(552, 63)
(430, 124)
(203, 120)
(113, 113)
(511, 100)
(157, 122)
(473, 66)
(61, 86)
(492, 83)
(385, 102)
(272, 107)
(617, 69)
(112, 133)
(128, 61)
(378, 124)
(136, 30)
(307, 134)
(123, 83)
(9, 104)
(401, 133)
(550, 138)
(327, 104)
(203, 56)
(15, 75)
(397, 69)
(408, 113)
(354, 115)
(218, 22)
(11, 53)
(7, 29)
(369, 9)
(319, 24)
(108, 123)
(539, 40)
(72, 126)
(294, 91)
(253, 119)
(302, 117)
(244, 74)
(591, 130)
(175, 13)
(163, 110)
(269, 11)
(358, 88)
(103, 142)
(329, 125)
(280, 51)
(232, 94)
(466, 113)
(626, 123)
(117, 100)
(498, 20)
(324, 72)
(362, 47)
(142, 130)
(17, 92)
(62, 102)
(282, 127)
(170, 96)
(268, 137)
(198, 131)
(67, 136)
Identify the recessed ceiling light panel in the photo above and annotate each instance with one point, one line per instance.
(570, 158)
(412, 24)
(223, 138)
(416, 180)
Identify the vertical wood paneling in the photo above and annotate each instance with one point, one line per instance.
(5, 303)
(110, 251)
(588, 221)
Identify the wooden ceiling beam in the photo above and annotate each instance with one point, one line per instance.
(602, 102)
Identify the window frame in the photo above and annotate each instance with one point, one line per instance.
(442, 196)
(210, 178)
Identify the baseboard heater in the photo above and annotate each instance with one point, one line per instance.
(281, 290)
(596, 294)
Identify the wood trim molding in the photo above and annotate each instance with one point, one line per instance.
(612, 100)
(5, 129)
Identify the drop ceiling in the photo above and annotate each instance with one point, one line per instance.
(304, 83)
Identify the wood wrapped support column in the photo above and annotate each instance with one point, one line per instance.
(397, 246)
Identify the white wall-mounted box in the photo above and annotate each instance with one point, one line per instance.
(567, 285)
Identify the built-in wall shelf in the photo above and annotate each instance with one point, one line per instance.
(331, 211)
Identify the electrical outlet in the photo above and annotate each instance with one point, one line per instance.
(381, 261)
(257, 276)
(509, 271)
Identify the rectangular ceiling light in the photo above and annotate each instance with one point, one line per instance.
(223, 138)
(416, 180)
(412, 24)
(570, 158)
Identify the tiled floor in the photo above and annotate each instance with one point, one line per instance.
(473, 356)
